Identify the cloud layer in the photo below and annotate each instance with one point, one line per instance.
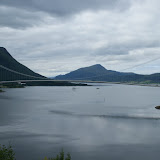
(63, 8)
(54, 37)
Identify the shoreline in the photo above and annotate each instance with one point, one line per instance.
(129, 83)
(1, 91)
(80, 84)
(147, 85)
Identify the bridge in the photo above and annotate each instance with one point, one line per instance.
(53, 80)
(8, 75)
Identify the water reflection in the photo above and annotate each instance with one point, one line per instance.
(106, 116)
(41, 120)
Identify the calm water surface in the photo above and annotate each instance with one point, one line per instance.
(114, 122)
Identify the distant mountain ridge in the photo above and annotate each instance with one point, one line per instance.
(99, 73)
(8, 61)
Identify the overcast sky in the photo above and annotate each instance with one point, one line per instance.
(54, 37)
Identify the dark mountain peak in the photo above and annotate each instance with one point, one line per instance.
(85, 72)
(2, 48)
(96, 67)
(4, 52)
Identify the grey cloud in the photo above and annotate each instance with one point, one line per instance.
(60, 44)
(27, 13)
(61, 7)
(18, 18)
(112, 50)
(126, 47)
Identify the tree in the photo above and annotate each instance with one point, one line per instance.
(7, 153)
(60, 156)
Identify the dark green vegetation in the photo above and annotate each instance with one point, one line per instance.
(51, 83)
(39, 83)
(1, 89)
(99, 73)
(60, 157)
(6, 153)
(12, 85)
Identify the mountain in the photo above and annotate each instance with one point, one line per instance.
(84, 73)
(95, 72)
(6, 60)
(9, 68)
(99, 73)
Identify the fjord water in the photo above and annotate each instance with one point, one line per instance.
(96, 122)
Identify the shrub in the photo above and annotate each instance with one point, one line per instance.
(7, 153)
(60, 157)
